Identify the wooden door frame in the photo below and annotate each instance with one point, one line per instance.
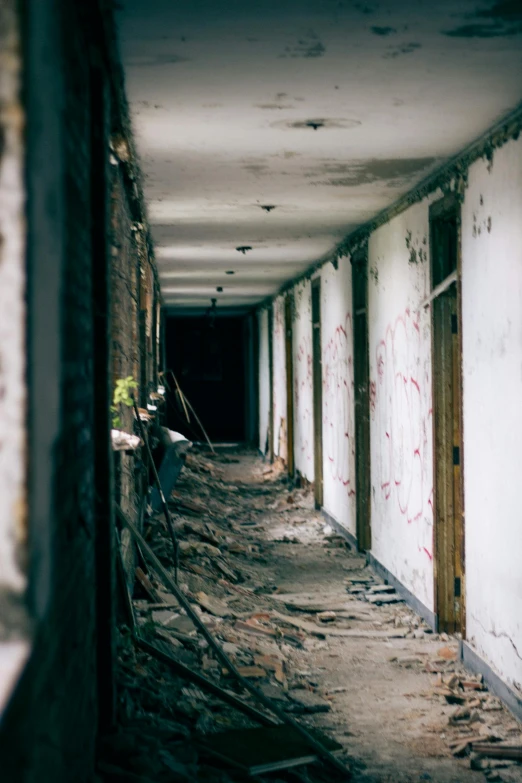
(448, 619)
(289, 359)
(317, 382)
(271, 383)
(362, 404)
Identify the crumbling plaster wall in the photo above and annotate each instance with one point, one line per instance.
(338, 393)
(401, 400)
(492, 394)
(303, 380)
(279, 363)
(264, 380)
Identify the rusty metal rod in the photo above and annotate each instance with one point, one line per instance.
(186, 399)
(164, 503)
(319, 748)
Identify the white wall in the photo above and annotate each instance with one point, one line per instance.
(400, 398)
(492, 404)
(338, 393)
(279, 361)
(264, 379)
(303, 384)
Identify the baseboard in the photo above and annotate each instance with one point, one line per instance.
(427, 615)
(340, 529)
(473, 661)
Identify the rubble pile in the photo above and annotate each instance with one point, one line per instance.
(230, 535)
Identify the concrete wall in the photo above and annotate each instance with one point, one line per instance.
(279, 354)
(492, 394)
(303, 381)
(401, 400)
(338, 393)
(264, 380)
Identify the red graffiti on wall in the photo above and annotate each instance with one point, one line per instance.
(400, 403)
(338, 395)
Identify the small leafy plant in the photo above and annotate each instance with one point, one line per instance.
(122, 397)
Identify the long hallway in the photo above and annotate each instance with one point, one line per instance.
(305, 619)
(293, 227)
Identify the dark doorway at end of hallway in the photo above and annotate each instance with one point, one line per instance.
(207, 357)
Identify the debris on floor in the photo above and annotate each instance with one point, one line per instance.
(311, 627)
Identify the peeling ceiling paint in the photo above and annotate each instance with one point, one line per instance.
(328, 110)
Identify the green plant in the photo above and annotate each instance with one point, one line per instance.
(122, 397)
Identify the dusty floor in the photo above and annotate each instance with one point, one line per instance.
(371, 676)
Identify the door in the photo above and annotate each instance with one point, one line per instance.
(361, 372)
(271, 387)
(318, 392)
(289, 304)
(447, 417)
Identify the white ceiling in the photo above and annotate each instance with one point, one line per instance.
(221, 92)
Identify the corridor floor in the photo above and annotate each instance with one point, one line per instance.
(299, 611)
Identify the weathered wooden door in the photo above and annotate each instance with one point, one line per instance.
(289, 384)
(271, 383)
(318, 391)
(361, 372)
(447, 416)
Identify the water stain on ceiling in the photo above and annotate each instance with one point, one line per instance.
(257, 169)
(383, 30)
(367, 172)
(500, 20)
(396, 51)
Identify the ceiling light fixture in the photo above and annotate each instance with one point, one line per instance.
(314, 124)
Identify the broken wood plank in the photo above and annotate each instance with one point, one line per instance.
(315, 603)
(309, 701)
(497, 750)
(326, 630)
(383, 598)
